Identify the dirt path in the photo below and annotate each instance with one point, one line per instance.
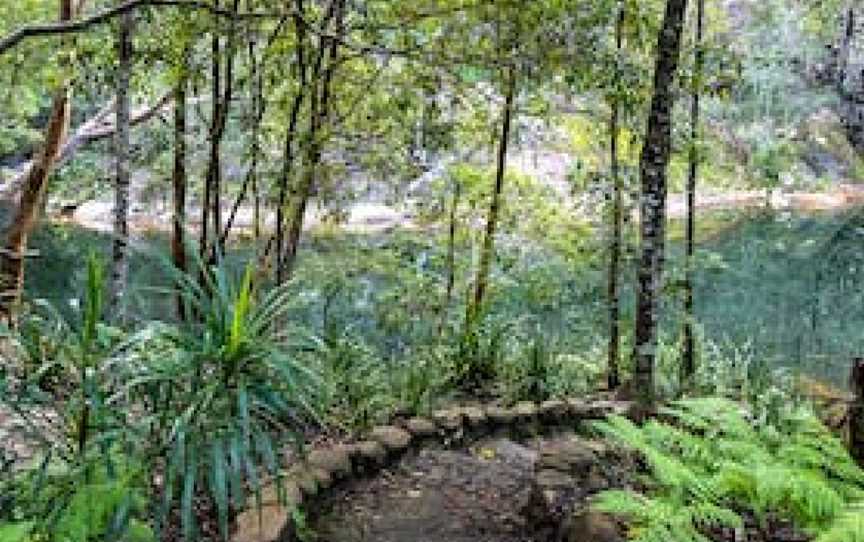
(473, 495)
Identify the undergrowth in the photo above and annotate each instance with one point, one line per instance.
(711, 462)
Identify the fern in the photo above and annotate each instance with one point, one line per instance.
(849, 527)
(708, 459)
(660, 519)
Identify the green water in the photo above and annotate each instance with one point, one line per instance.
(791, 286)
(785, 287)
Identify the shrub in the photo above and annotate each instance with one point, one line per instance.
(709, 462)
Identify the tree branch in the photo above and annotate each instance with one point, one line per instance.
(94, 129)
(70, 27)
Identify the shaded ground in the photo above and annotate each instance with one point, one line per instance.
(473, 495)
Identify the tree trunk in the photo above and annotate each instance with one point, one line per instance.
(221, 107)
(488, 250)
(120, 260)
(178, 181)
(33, 191)
(652, 170)
(845, 48)
(290, 134)
(250, 183)
(613, 378)
(213, 165)
(258, 107)
(451, 255)
(319, 115)
(688, 363)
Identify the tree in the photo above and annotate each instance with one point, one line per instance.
(653, 164)
(688, 362)
(120, 261)
(319, 125)
(36, 182)
(613, 379)
(178, 177)
(488, 249)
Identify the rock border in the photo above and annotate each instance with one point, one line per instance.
(311, 480)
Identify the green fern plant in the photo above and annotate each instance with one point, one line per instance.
(709, 462)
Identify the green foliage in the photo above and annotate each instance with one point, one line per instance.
(15, 532)
(709, 462)
(228, 394)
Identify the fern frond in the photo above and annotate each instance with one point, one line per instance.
(848, 527)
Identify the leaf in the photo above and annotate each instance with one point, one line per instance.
(219, 484)
(15, 532)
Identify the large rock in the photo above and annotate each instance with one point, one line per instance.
(271, 522)
(500, 416)
(421, 427)
(335, 460)
(554, 412)
(572, 456)
(475, 416)
(322, 477)
(449, 420)
(370, 454)
(526, 410)
(587, 525)
(394, 439)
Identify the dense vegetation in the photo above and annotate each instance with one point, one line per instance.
(189, 290)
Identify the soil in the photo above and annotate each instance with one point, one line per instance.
(472, 495)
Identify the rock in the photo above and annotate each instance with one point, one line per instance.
(590, 526)
(323, 478)
(570, 456)
(475, 416)
(500, 416)
(595, 482)
(272, 521)
(579, 409)
(511, 451)
(553, 479)
(554, 411)
(602, 409)
(526, 409)
(270, 494)
(335, 460)
(370, 453)
(448, 420)
(392, 438)
(306, 481)
(421, 427)
(269, 524)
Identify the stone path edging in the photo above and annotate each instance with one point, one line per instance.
(310, 480)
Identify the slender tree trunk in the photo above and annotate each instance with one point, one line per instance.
(845, 48)
(214, 171)
(120, 259)
(488, 250)
(258, 111)
(250, 183)
(213, 166)
(319, 113)
(652, 170)
(178, 181)
(290, 134)
(451, 254)
(33, 191)
(613, 378)
(688, 364)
